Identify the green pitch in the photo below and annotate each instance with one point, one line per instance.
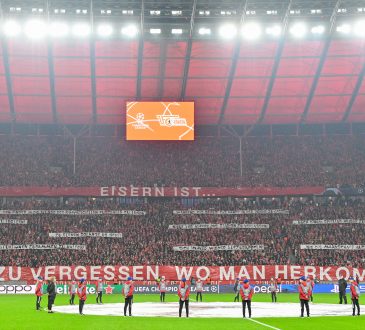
(18, 312)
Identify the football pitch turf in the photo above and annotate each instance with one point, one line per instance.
(18, 312)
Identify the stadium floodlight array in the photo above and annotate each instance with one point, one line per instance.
(250, 30)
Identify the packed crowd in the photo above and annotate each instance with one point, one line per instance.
(147, 239)
(281, 161)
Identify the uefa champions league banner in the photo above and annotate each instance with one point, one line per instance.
(156, 191)
(221, 274)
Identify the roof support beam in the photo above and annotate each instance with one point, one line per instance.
(321, 63)
(232, 71)
(163, 51)
(9, 84)
(92, 66)
(355, 93)
(275, 67)
(188, 52)
(51, 73)
(140, 54)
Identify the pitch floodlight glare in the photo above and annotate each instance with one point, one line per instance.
(298, 30)
(359, 29)
(228, 31)
(155, 31)
(81, 30)
(274, 31)
(105, 30)
(251, 31)
(318, 29)
(59, 29)
(35, 29)
(204, 31)
(344, 28)
(11, 28)
(129, 31)
(176, 31)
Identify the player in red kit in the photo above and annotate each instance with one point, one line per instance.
(183, 293)
(127, 291)
(39, 292)
(81, 292)
(355, 294)
(305, 292)
(162, 288)
(246, 292)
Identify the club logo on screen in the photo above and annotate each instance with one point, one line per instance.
(160, 121)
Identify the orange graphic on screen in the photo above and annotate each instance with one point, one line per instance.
(160, 121)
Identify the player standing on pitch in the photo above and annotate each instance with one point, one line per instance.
(236, 289)
(311, 284)
(355, 294)
(128, 289)
(51, 290)
(342, 285)
(246, 292)
(199, 289)
(183, 293)
(39, 292)
(72, 289)
(162, 287)
(81, 292)
(304, 295)
(273, 287)
(99, 291)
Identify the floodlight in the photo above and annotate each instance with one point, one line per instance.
(344, 28)
(228, 31)
(105, 30)
(298, 30)
(81, 30)
(204, 31)
(129, 31)
(176, 31)
(35, 29)
(251, 31)
(359, 29)
(59, 29)
(318, 29)
(274, 31)
(11, 28)
(155, 31)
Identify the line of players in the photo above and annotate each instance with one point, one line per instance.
(243, 289)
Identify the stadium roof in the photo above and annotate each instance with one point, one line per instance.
(242, 62)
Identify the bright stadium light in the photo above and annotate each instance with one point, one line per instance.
(35, 29)
(228, 31)
(105, 30)
(176, 31)
(11, 28)
(81, 30)
(129, 31)
(298, 30)
(251, 31)
(58, 29)
(344, 28)
(318, 29)
(155, 31)
(274, 31)
(359, 29)
(204, 31)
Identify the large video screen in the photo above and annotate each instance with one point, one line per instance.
(160, 120)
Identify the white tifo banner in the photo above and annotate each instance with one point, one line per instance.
(221, 226)
(75, 212)
(86, 234)
(13, 221)
(42, 247)
(17, 289)
(331, 247)
(328, 222)
(219, 248)
(234, 212)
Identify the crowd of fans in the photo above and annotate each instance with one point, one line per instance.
(147, 239)
(298, 161)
